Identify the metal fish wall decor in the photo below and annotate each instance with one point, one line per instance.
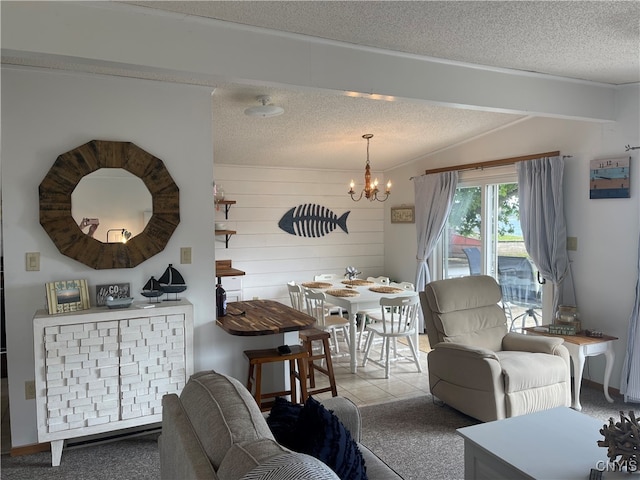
(310, 220)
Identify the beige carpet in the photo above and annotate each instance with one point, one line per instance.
(418, 438)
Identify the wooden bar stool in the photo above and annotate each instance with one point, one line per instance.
(257, 358)
(309, 336)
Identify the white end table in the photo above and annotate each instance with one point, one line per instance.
(580, 346)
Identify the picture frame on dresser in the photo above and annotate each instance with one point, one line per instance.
(67, 296)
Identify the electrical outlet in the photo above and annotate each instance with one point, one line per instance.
(572, 243)
(29, 389)
(185, 255)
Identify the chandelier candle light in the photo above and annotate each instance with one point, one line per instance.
(370, 190)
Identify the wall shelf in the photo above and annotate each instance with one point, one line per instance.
(227, 205)
(227, 235)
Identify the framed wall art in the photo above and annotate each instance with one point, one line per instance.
(115, 290)
(67, 296)
(609, 178)
(403, 214)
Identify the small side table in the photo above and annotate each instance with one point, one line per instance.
(580, 346)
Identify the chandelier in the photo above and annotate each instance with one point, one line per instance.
(370, 190)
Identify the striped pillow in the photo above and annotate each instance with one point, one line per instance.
(291, 466)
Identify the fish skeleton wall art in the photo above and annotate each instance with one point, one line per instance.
(310, 220)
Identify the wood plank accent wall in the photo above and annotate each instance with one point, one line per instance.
(272, 257)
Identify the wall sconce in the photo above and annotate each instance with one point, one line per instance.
(124, 235)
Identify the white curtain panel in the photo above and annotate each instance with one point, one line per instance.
(630, 378)
(433, 198)
(543, 223)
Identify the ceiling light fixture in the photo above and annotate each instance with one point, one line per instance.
(264, 110)
(370, 190)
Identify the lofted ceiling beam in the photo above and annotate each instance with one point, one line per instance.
(138, 41)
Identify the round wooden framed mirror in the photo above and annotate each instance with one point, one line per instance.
(61, 180)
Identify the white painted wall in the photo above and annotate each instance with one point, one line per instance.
(605, 264)
(46, 113)
(272, 257)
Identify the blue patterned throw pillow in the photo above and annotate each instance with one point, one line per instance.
(282, 421)
(316, 431)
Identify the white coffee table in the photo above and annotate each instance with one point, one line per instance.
(559, 444)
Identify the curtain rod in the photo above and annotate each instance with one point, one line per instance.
(492, 163)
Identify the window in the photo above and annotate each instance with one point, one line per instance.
(483, 237)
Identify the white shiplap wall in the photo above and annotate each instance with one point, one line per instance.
(272, 257)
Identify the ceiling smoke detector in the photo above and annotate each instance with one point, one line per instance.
(264, 110)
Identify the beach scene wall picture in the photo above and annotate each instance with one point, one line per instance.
(67, 296)
(609, 178)
(311, 220)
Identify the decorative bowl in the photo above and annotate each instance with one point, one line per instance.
(119, 302)
(220, 226)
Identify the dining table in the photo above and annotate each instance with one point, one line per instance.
(355, 296)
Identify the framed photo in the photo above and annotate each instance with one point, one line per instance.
(116, 290)
(609, 178)
(67, 296)
(403, 214)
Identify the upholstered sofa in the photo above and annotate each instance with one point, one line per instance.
(215, 430)
(476, 366)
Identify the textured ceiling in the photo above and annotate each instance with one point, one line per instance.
(595, 41)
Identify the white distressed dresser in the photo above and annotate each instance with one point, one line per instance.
(100, 370)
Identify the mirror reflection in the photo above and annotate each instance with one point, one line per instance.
(111, 205)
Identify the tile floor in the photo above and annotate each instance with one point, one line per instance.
(368, 385)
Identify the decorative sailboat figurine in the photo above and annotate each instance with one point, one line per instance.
(152, 289)
(172, 282)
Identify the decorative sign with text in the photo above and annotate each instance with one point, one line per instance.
(116, 290)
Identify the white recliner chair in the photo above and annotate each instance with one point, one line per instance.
(476, 366)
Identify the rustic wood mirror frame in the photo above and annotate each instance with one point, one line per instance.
(55, 204)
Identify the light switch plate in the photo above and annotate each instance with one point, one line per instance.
(29, 389)
(185, 255)
(33, 261)
(572, 243)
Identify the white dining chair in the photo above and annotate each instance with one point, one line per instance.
(379, 280)
(296, 296)
(399, 318)
(316, 307)
(331, 278)
(403, 285)
(370, 315)
(328, 277)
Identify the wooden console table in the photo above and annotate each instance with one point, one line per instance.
(262, 317)
(580, 346)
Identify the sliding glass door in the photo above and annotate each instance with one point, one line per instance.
(483, 237)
